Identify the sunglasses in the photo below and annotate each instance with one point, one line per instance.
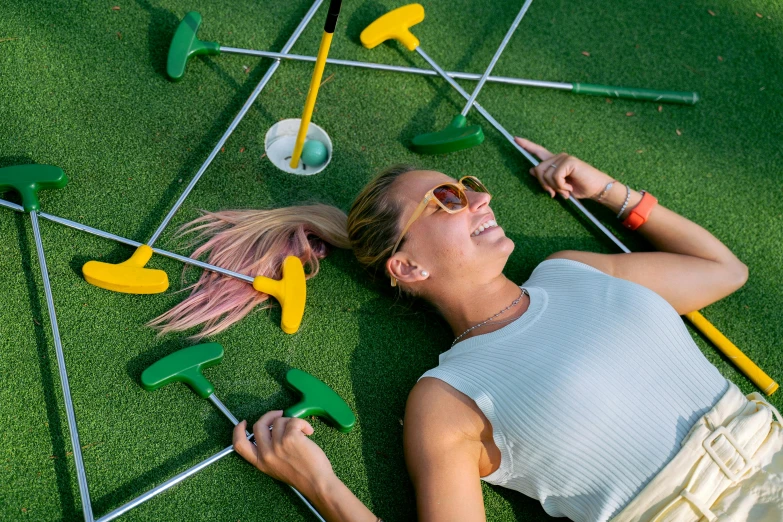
(450, 197)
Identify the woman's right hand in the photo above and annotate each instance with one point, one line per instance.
(285, 452)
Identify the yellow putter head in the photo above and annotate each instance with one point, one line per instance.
(394, 25)
(290, 291)
(129, 277)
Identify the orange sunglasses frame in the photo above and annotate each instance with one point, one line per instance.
(430, 196)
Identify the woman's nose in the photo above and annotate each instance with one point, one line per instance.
(477, 200)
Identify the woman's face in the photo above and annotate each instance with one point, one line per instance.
(450, 247)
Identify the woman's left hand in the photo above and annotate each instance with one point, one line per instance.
(565, 175)
(284, 451)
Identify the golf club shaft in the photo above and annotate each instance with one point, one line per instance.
(166, 485)
(119, 239)
(173, 481)
(510, 138)
(81, 474)
(398, 68)
(246, 107)
(234, 421)
(495, 58)
(315, 80)
(687, 98)
(740, 360)
(223, 409)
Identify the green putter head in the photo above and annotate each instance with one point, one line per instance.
(185, 45)
(27, 180)
(184, 366)
(318, 399)
(457, 136)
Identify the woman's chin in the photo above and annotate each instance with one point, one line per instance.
(496, 241)
(507, 245)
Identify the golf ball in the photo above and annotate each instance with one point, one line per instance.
(314, 153)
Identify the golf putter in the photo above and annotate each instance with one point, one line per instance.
(315, 80)
(397, 28)
(186, 366)
(27, 180)
(395, 25)
(186, 45)
(131, 276)
(457, 136)
(290, 290)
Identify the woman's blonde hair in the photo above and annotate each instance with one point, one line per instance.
(255, 242)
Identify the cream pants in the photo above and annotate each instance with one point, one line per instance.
(730, 468)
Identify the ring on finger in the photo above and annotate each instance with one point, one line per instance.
(552, 166)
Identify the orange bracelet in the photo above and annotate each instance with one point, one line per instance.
(639, 214)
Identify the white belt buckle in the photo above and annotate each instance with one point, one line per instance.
(734, 477)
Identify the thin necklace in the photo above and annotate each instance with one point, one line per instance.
(512, 305)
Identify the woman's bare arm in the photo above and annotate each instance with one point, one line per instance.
(691, 270)
(692, 267)
(442, 451)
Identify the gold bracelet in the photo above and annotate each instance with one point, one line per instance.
(606, 189)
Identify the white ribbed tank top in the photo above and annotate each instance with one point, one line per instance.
(590, 392)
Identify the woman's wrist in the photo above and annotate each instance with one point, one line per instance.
(336, 502)
(323, 486)
(619, 195)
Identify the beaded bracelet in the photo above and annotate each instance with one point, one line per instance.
(625, 204)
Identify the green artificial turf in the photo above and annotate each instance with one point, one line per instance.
(84, 87)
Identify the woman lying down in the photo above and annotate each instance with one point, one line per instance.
(581, 387)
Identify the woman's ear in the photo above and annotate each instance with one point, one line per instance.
(405, 269)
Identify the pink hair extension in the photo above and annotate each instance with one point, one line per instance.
(254, 243)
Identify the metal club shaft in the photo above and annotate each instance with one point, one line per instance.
(120, 239)
(495, 58)
(399, 68)
(222, 407)
(525, 153)
(81, 474)
(246, 107)
(173, 481)
(234, 421)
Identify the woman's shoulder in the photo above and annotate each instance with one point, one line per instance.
(567, 264)
(573, 260)
(436, 406)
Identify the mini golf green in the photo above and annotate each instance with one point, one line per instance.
(85, 89)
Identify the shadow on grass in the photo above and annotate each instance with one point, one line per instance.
(397, 344)
(163, 24)
(363, 16)
(202, 151)
(49, 386)
(41, 322)
(523, 507)
(151, 478)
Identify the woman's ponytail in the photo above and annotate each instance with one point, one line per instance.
(254, 243)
